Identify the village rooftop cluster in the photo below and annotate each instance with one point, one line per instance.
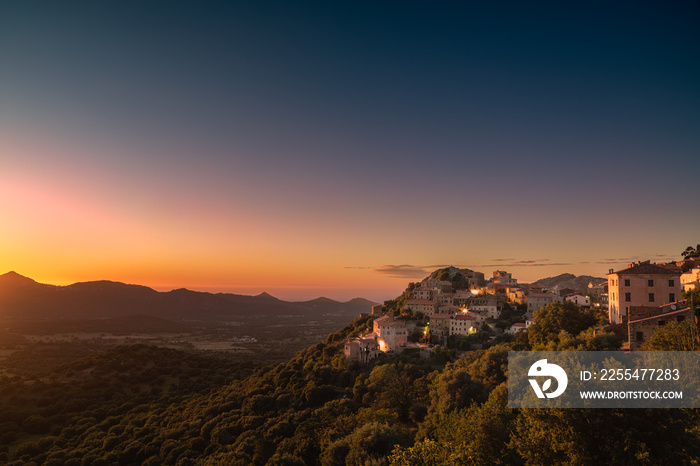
(459, 305)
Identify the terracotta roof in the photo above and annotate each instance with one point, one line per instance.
(463, 317)
(646, 268)
(440, 316)
(659, 316)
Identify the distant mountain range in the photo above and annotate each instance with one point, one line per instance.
(22, 298)
(568, 280)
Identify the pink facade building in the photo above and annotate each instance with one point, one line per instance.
(642, 284)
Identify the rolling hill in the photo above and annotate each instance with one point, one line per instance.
(568, 280)
(22, 298)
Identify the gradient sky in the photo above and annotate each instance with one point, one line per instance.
(344, 148)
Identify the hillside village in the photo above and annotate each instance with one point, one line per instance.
(460, 309)
(398, 386)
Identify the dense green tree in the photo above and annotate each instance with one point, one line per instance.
(441, 354)
(428, 453)
(36, 424)
(479, 434)
(453, 390)
(372, 443)
(335, 453)
(443, 275)
(555, 317)
(606, 436)
(398, 395)
(674, 336)
(585, 341)
(691, 252)
(488, 366)
(459, 281)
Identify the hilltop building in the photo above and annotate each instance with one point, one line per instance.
(599, 295)
(536, 301)
(516, 295)
(363, 349)
(491, 311)
(426, 306)
(479, 316)
(515, 328)
(483, 300)
(390, 333)
(503, 278)
(444, 299)
(462, 324)
(642, 284)
(690, 279)
(440, 325)
(448, 309)
(579, 300)
(424, 292)
(439, 285)
(596, 291)
(461, 298)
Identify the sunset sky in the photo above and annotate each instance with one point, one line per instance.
(342, 149)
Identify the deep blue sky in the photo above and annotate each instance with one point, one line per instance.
(366, 134)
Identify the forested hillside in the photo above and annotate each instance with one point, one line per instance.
(146, 405)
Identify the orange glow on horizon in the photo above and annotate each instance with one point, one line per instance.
(76, 217)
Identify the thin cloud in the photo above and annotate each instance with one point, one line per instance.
(541, 264)
(403, 271)
(620, 260)
(526, 263)
(629, 260)
(502, 260)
